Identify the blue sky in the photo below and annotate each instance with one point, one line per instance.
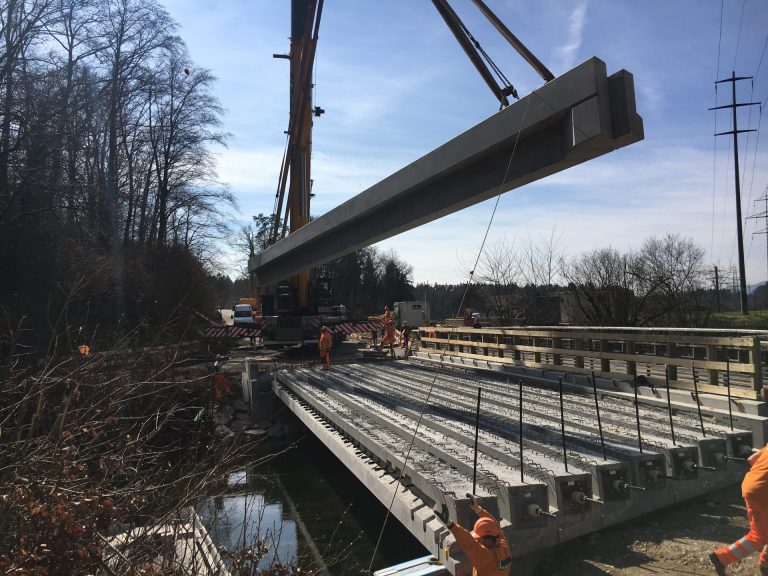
(395, 84)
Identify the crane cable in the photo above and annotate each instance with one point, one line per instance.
(499, 74)
(576, 128)
(442, 356)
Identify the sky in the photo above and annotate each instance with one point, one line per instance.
(395, 84)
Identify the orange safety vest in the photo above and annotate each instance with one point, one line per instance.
(325, 342)
(754, 488)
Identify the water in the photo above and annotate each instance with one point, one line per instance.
(311, 509)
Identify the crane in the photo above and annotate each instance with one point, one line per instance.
(292, 200)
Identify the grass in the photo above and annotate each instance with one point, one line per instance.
(755, 320)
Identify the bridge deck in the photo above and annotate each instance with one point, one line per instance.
(416, 423)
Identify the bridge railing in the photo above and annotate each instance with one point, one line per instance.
(715, 359)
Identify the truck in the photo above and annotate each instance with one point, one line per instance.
(284, 321)
(243, 315)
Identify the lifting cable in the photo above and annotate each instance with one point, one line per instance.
(507, 87)
(442, 356)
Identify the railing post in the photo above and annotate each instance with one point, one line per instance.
(515, 351)
(712, 374)
(631, 364)
(671, 353)
(499, 350)
(557, 359)
(605, 363)
(537, 353)
(756, 359)
(578, 361)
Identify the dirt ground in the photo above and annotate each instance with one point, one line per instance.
(674, 542)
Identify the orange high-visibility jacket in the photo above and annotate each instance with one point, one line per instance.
(485, 561)
(325, 342)
(754, 488)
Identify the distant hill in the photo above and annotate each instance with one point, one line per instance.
(752, 287)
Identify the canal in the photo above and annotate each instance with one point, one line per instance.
(309, 510)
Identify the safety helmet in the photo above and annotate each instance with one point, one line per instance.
(486, 527)
(324, 329)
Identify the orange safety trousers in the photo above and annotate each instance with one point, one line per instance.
(756, 539)
(326, 356)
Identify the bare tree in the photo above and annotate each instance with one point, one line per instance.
(22, 24)
(673, 270)
(659, 284)
(500, 271)
(539, 266)
(134, 31)
(601, 286)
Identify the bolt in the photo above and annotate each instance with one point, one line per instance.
(689, 466)
(720, 458)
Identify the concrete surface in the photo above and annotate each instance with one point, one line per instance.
(578, 116)
(407, 431)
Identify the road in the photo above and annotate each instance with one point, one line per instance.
(227, 316)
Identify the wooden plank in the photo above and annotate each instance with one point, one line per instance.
(737, 391)
(740, 367)
(682, 338)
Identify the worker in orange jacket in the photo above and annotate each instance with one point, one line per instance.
(389, 337)
(754, 489)
(485, 546)
(325, 347)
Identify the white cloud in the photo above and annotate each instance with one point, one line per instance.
(250, 171)
(567, 53)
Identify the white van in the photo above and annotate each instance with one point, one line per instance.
(243, 315)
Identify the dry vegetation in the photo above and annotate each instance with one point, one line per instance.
(94, 446)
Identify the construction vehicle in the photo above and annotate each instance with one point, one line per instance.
(293, 311)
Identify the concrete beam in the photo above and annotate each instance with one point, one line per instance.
(578, 116)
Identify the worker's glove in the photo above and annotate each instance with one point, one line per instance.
(476, 508)
(442, 514)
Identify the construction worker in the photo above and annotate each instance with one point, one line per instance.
(754, 489)
(221, 386)
(389, 337)
(387, 315)
(325, 347)
(486, 546)
(406, 333)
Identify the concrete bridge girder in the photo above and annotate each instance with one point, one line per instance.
(576, 117)
(366, 415)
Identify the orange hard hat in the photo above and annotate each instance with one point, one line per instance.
(486, 527)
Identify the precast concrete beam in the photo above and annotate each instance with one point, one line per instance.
(430, 491)
(366, 416)
(713, 453)
(740, 444)
(407, 507)
(576, 117)
(650, 471)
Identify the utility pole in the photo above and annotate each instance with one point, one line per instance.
(717, 288)
(740, 234)
(764, 216)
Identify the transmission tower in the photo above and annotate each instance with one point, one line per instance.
(740, 234)
(764, 216)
